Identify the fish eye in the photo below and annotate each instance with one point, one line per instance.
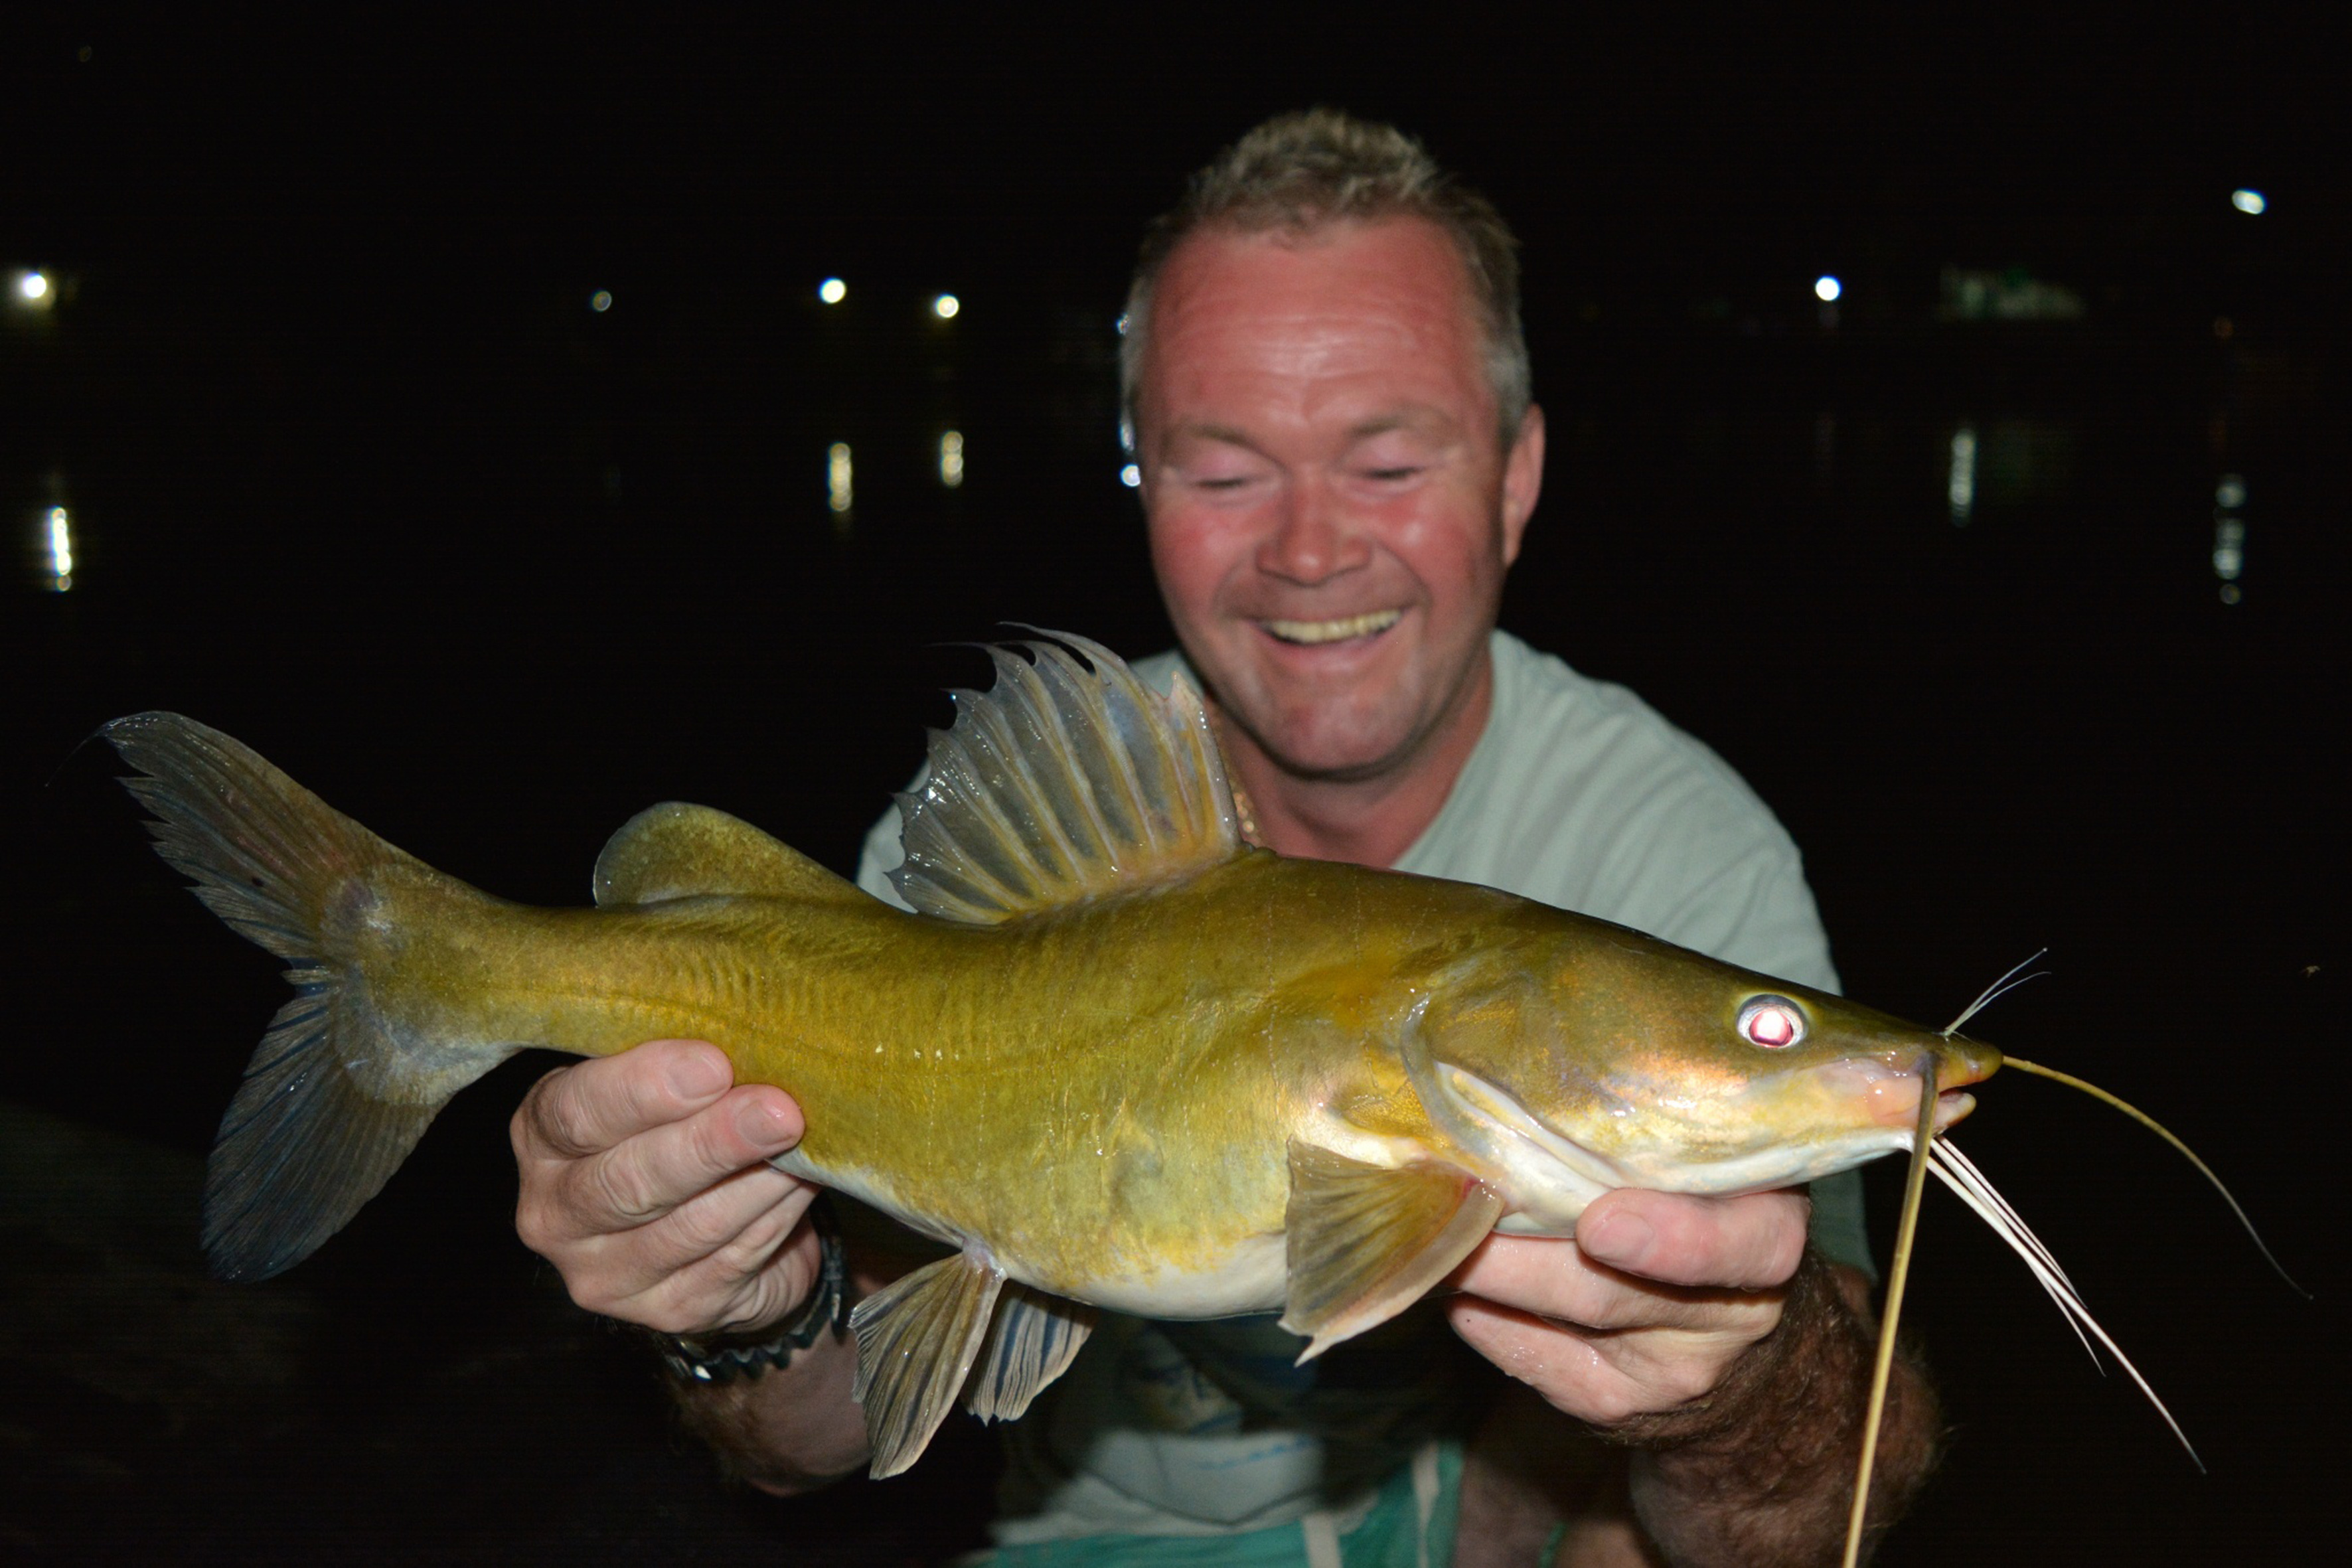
(1774, 1023)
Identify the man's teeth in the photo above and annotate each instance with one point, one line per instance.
(1334, 631)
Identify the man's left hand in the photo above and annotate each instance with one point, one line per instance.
(1645, 1311)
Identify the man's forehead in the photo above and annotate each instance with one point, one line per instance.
(1385, 302)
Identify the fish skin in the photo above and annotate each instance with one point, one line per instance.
(1096, 1113)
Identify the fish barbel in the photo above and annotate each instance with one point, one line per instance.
(1116, 1058)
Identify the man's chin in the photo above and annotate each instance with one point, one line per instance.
(1335, 755)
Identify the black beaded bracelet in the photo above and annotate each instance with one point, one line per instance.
(715, 1359)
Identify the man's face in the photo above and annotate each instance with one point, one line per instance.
(1331, 514)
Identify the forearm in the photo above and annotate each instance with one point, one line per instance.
(1761, 1472)
(791, 1429)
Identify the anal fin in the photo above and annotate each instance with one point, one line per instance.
(1033, 1341)
(1365, 1241)
(917, 1340)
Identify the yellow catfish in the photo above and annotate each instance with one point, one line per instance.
(1116, 1057)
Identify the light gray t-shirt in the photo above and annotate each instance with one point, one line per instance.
(1578, 794)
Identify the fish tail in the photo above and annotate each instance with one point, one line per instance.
(337, 1094)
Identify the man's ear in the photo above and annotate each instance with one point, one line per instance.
(1522, 481)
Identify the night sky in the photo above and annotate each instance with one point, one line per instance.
(2014, 582)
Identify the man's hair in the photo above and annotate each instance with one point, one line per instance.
(1301, 171)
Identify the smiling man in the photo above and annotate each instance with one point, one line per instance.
(1329, 396)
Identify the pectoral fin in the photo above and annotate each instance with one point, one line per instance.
(916, 1339)
(1033, 1341)
(1365, 1241)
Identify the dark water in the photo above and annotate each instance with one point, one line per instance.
(492, 570)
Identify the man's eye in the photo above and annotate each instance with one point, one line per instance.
(1390, 474)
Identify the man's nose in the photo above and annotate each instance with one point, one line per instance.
(1312, 540)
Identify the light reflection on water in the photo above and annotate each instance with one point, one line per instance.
(2230, 536)
(1960, 487)
(57, 530)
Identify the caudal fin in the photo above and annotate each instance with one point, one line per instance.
(336, 1096)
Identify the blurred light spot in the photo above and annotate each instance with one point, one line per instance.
(837, 491)
(601, 301)
(61, 559)
(2223, 327)
(1827, 288)
(1127, 435)
(1131, 476)
(951, 458)
(945, 306)
(2230, 549)
(1960, 489)
(2249, 201)
(33, 285)
(833, 291)
(1122, 323)
(2229, 535)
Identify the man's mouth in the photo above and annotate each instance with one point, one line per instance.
(1310, 633)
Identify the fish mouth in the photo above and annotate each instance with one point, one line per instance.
(1889, 1096)
(1342, 629)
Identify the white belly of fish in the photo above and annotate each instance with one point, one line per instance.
(1251, 1277)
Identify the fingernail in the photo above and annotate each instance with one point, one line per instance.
(1617, 1238)
(761, 1124)
(697, 1075)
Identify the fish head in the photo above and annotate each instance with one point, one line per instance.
(1625, 1061)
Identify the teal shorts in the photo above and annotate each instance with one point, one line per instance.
(1410, 1524)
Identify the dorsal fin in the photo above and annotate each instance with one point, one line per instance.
(1062, 784)
(678, 851)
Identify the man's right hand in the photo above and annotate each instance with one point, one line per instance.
(645, 1181)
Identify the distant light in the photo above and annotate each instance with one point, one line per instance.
(1131, 476)
(33, 284)
(1826, 288)
(952, 458)
(833, 291)
(2231, 493)
(601, 301)
(1960, 490)
(61, 560)
(945, 306)
(1122, 323)
(838, 492)
(2251, 203)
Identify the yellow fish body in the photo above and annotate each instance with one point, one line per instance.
(1116, 1057)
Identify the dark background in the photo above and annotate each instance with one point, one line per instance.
(356, 473)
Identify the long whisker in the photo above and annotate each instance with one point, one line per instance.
(1906, 1229)
(2153, 1125)
(2071, 1303)
(1947, 1150)
(1994, 993)
(1967, 1181)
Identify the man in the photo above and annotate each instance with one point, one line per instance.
(1328, 395)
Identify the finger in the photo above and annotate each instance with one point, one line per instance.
(1555, 1280)
(643, 1177)
(589, 1106)
(767, 1268)
(1750, 1243)
(1604, 1378)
